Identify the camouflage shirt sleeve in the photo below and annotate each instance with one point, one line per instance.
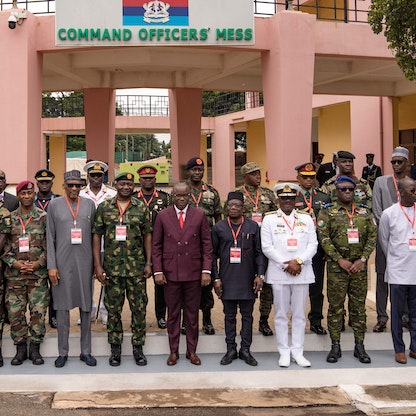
(324, 232)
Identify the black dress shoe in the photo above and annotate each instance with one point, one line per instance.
(265, 329)
(88, 359)
(318, 329)
(161, 323)
(139, 356)
(60, 361)
(379, 326)
(245, 355)
(209, 329)
(53, 323)
(335, 353)
(229, 357)
(360, 353)
(183, 329)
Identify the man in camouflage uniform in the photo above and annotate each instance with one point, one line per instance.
(156, 200)
(258, 200)
(206, 197)
(44, 181)
(348, 235)
(125, 223)
(5, 228)
(345, 165)
(26, 274)
(310, 200)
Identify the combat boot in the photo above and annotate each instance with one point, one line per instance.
(34, 354)
(115, 357)
(335, 352)
(21, 354)
(360, 353)
(207, 326)
(264, 327)
(1, 359)
(139, 356)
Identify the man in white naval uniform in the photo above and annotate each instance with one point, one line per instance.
(288, 240)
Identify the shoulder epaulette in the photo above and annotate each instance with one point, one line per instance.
(328, 205)
(364, 206)
(270, 212)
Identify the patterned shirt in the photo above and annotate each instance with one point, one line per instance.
(35, 231)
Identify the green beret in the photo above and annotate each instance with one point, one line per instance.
(124, 176)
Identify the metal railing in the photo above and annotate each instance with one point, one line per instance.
(340, 10)
(151, 105)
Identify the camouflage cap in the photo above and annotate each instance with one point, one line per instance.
(249, 168)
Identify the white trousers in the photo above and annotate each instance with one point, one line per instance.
(293, 297)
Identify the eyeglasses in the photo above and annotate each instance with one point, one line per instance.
(286, 198)
(96, 175)
(2, 178)
(181, 196)
(73, 185)
(231, 205)
(307, 176)
(397, 162)
(346, 188)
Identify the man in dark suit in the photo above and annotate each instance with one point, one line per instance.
(182, 261)
(10, 201)
(371, 172)
(327, 170)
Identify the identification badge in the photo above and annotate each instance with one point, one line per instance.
(235, 255)
(412, 244)
(257, 217)
(121, 233)
(353, 237)
(76, 236)
(292, 244)
(23, 244)
(314, 221)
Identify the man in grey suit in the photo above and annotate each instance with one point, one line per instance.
(10, 201)
(182, 261)
(70, 263)
(385, 194)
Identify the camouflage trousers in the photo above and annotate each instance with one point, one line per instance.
(266, 300)
(116, 289)
(355, 286)
(22, 292)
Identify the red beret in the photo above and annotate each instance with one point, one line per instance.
(24, 185)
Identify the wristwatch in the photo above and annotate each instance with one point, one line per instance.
(363, 259)
(261, 276)
(299, 261)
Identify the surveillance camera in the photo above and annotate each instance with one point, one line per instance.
(12, 21)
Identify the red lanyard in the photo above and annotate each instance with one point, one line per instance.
(43, 207)
(308, 204)
(74, 215)
(199, 196)
(235, 234)
(24, 225)
(397, 189)
(122, 211)
(350, 216)
(412, 222)
(291, 227)
(140, 195)
(255, 202)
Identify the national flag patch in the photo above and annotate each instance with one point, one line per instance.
(145, 13)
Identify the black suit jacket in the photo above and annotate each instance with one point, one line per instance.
(10, 202)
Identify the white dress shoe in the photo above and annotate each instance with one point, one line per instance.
(284, 361)
(301, 361)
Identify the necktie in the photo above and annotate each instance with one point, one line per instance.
(307, 194)
(181, 222)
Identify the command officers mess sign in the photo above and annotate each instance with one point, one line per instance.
(164, 23)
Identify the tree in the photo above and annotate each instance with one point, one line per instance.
(398, 20)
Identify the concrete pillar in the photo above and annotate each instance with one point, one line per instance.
(185, 106)
(57, 156)
(20, 99)
(100, 116)
(223, 160)
(288, 71)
